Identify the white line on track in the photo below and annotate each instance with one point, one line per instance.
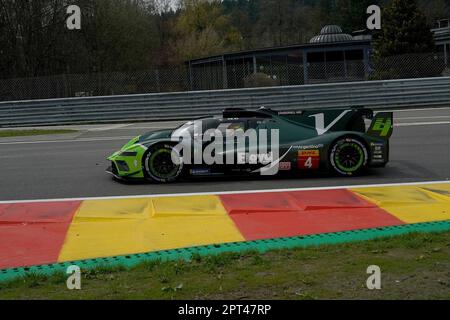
(129, 137)
(113, 127)
(227, 192)
(159, 125)
(71, 140)
(420, 123)
(150, 127)
(418, 109)
(421, 118)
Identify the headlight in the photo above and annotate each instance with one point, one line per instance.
(128, 153)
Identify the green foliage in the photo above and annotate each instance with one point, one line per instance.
(124, 35)
(351, 14)
(404, 30)
(406, 35)
(17, 133)
(203, 29)
(284, 22)
(435, 10)
(408, 262)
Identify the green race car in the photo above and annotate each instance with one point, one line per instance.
(259, 142)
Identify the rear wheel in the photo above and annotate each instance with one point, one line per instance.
(348, 156)
(159, 165)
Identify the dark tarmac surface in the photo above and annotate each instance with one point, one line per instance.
(73, 165)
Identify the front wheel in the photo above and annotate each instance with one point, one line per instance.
(159, 165)
(348, 156)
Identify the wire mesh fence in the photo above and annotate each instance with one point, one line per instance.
(98, 84)
(410, 66)
(245, 73)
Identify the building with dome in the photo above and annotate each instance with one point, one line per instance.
(330, 56)
(331, 34)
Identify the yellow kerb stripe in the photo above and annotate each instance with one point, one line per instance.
(411, 204)
(102, 228)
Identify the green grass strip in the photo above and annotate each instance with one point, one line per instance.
(34, 132)
(258, 245)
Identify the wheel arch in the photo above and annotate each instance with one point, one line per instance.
(353, 135)
(150, 148)
(344, 135)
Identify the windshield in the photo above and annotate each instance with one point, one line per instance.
(197, 127)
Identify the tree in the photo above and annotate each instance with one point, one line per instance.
(242, 15)
(125, 35)
(30, 37)
(351, 14)
(275, 20)
(306, 23)
(203, 29)
(404, 30)
(403, 47)
(326, 7)
(435, 10)
(115, 35)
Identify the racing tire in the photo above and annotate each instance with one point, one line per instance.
(348, 156)
(158, 164)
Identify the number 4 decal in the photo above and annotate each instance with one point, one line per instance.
(381, 126)
(308, 163)
(308, 159)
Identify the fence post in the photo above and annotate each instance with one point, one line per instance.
(224, 73)
(345, 66)
(445, 55)
(191, 79)
(158, 84)
(305, 67)
(366, 63)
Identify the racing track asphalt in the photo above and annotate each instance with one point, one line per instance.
(73, 165)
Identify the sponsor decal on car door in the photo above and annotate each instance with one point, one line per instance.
(308, 159)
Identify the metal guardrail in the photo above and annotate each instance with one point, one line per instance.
(424, 92)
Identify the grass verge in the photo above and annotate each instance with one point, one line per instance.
(413, 266)
(35, 132)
